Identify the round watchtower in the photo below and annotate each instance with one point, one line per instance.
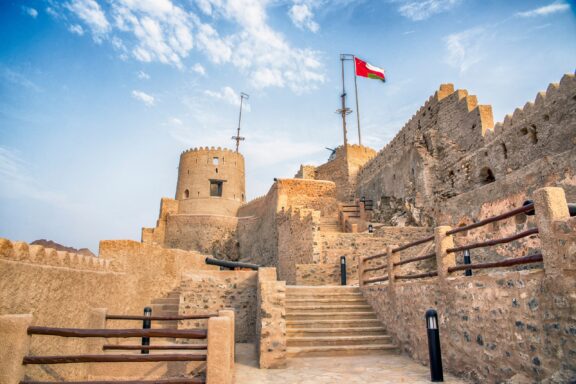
(210, 181)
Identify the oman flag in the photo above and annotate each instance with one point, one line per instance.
(366, 70)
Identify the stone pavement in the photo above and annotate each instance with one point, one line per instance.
(361, 369)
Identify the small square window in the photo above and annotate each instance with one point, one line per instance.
(215, 161)
(215, 188)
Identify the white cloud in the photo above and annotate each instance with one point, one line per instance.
(18, 79)
(143, 75)
(464, 48)
(30, 12)
(17, 182)
(175, 121)
(77, 29)
(90, 12)
(546, 10)
(147, 99)
(199, 69)
(302, 17)
(227, 94)
(417, 10)
(161, 31)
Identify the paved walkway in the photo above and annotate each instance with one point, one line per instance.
(380, 368)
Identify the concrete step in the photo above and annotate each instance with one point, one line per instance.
(330, 316)
(317, 341)
(344, 331)
(334, 297)
(332, 323)
(326, 308)
(173, 295)
(334, 350)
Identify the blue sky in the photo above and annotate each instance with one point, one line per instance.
(98, 98)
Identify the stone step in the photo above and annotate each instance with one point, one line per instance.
(334, 296)
(333, 350)
(359, 299)
(328, 308)
(317, 341)
(332, 323)
(173, 295)
(349, 331)
(165, 300)
(330, 316)
(320, 288)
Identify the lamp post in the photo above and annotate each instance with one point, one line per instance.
(436, 374)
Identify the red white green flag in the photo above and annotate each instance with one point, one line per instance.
(365, 69)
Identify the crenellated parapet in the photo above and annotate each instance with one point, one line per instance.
(19, 251)
(451, 146)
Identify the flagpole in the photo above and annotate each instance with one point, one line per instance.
(357, 107)
(344, 111)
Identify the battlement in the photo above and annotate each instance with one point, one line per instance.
(542, 99)
(22, 252)
(212, 149)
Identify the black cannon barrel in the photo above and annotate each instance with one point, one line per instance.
(230, 264)
(571, 208)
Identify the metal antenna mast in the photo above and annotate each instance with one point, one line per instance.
(344, 110)
(239, 138)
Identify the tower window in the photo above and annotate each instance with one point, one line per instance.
(186, 194)
(215, 161)
(216, 188)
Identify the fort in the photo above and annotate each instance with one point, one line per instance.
(451, 181)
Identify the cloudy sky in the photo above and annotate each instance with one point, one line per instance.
(99, 97)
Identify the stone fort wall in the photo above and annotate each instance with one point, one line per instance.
(451, 147)
(61, 288)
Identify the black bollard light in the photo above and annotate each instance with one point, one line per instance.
(467, 261)
(146, 324)
(436, 373)
(370, 228)
(343, 270)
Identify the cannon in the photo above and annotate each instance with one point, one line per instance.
(571, 208)
(231, 264)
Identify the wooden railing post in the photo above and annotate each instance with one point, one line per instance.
(444, 259)
(360, 271)
(14, 345)
(551, 208)
(393, 257)
(229, 312)
(218, 356)
(94, 346)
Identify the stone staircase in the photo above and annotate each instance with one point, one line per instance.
(329, 224)
(330, 320)
(166, 306)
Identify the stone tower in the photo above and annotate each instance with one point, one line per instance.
(210, 181)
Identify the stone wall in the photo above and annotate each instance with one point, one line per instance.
(210, 291)
(504, 325)
(271, 320)
(450, 147)
(342, 169)
(60, 289)
(210, 234)
(296, 232)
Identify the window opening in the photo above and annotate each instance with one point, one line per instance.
(216, 188)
